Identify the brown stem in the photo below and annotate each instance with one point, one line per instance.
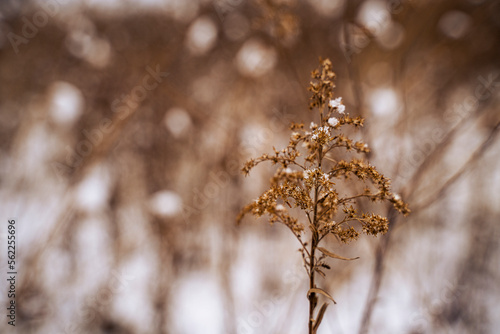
(314, 244)
(312, 296)
(314, 240)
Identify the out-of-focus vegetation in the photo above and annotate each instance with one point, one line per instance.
(124, 126)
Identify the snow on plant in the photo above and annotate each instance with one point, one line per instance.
(307, 182)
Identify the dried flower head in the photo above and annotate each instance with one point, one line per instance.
(310, 185)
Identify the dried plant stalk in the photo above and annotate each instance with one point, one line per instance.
(305, 180)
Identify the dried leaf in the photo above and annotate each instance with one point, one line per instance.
(322, 292)
(320, 272)
(324, 265)
(335, 256)
(321, 313)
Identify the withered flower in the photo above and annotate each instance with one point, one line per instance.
(307, 181)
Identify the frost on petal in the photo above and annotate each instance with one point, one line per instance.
(280, 207)
(335, 103)
(341, 109)
(333, 121)
(313, 125)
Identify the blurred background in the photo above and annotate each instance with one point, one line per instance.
(124, 125)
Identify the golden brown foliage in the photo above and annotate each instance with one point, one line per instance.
(305, 179)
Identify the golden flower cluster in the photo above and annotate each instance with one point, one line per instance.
(308, 183)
